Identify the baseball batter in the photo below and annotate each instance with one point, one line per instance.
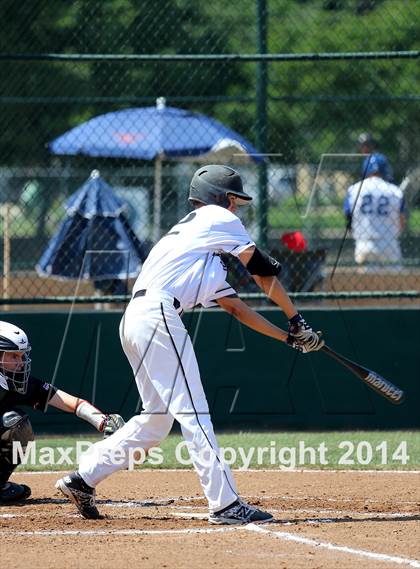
(375, 209)
(18, 387)
(184, 270)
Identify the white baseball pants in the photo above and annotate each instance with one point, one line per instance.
(378, 251)
(162, 357)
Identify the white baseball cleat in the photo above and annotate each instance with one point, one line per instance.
(83, 496)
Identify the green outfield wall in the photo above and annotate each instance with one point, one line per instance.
(251, 381)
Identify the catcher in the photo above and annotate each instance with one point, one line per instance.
(19, 387)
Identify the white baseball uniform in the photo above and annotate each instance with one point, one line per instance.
(183, 265)
(375, 205)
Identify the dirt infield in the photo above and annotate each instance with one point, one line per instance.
(156, 519)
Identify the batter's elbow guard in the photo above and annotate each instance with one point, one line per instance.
(263, 265)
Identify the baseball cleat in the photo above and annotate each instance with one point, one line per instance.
(83, 496)
(12, 493)
(240, 513)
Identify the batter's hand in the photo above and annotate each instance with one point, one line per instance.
(301, 337)
(112, 423)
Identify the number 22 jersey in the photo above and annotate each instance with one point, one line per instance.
(376, 213)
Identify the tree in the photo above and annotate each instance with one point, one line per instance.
(314, 107)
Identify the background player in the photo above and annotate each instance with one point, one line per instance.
(183, 270)
(19, 387)
(375, 209)
(369, 145)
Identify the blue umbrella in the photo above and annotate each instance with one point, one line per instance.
(153, 133)
(95, 222)
(146, 133)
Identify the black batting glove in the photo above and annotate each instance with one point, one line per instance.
(301, 337)
(112, 423)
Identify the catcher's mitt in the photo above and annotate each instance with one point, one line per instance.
(112, 423)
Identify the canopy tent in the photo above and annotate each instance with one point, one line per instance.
(94, 241)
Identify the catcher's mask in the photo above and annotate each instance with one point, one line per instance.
(15, 363)
(212, 184)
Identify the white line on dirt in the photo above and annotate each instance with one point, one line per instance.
(39, 472)
(200, 513)
(303, 498)
(324, 471)
(331, 546)
(250, 527)
(88, 533)
(189, 515)
(253, 497)
(315, 511)
(252, 470)
(265, 497)
(360, 515)
(296, 521)
(305, 470)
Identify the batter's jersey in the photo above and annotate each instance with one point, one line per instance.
(375, 205)
(186, 261)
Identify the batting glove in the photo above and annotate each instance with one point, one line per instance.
(301, 337)
(112, 423)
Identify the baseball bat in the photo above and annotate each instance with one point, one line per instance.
(375, 381)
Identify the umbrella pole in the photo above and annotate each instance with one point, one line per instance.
(157, 198)
(6, 251)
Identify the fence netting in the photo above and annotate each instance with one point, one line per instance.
(327, 145)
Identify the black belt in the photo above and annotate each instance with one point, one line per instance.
(143, 291)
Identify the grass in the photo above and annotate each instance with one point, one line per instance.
(355, 450)
(414, 220)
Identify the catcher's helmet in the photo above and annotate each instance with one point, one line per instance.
(13, 339)
(212, 184)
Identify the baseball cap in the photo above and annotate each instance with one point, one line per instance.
(375, 164)
(294, 240)
(366, 138)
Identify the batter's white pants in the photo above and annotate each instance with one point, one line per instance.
(162, 357)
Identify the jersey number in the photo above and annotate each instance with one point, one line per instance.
(368, 205)
(185, 219)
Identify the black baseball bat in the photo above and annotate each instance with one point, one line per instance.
(375, 381)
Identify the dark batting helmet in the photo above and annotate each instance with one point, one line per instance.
(212, 184)
(365, 138)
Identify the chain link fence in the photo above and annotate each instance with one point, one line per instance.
(289, 116)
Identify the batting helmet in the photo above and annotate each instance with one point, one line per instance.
(15, 372)
(365, 138)
(376, 164)
(212, 184)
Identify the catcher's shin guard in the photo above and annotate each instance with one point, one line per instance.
(14, 427)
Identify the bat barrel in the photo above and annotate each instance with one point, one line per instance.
(381, 385)
(385, 387)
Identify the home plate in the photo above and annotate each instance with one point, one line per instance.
(189, 515)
